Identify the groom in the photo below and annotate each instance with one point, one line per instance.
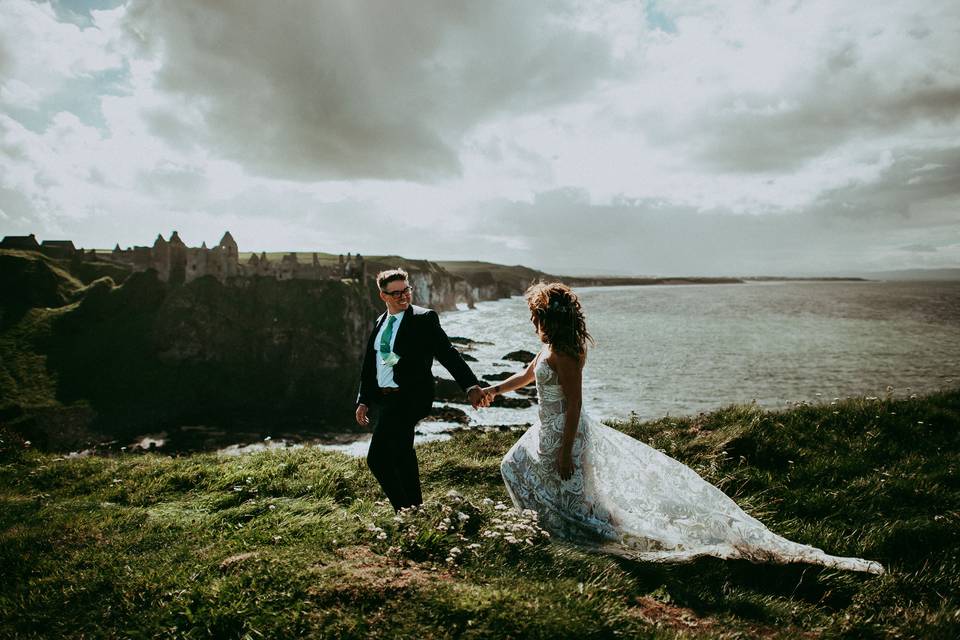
(396, 380)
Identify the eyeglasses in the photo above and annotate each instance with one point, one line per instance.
(402, 292)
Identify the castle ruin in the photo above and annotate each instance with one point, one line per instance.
(177, 263)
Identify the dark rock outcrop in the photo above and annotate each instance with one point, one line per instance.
(520, 356)
(448, 391)
(511, 403)
(448, 414)
(497, 377)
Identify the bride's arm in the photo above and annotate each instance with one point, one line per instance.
(515, 381)
(570, 372)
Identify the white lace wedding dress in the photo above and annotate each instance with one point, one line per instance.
(630, 499)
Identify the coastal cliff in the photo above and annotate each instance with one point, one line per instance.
(433, 286)
(82, 362)
(92, 351)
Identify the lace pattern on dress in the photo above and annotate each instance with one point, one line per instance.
(628, 498)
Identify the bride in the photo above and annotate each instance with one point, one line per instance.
(594, 485)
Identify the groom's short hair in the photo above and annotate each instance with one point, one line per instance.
(390, 275)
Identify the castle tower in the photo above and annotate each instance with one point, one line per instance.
(178, 259)
(160, 258)
(231, 255)
(289, 267)
(198, 262)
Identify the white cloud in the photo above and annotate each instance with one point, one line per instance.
(330, 90)
(811, 134)
(40, 54)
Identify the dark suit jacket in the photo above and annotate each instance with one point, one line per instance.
(420, 339)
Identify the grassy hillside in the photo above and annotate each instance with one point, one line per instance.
(284, 543)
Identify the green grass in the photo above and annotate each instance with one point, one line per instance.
(295, 542)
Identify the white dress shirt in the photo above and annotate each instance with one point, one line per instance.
(385, 373)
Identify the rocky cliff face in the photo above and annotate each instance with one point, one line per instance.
(433, 286)
(260, 353)
(80, 354)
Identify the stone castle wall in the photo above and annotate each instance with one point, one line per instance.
(177, 263)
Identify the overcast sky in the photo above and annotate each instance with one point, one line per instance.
(667, 137)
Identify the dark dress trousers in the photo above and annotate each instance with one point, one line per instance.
(391, 458)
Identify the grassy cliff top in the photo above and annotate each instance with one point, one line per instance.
(296, 542)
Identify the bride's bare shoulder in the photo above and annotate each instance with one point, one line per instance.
(559, 361)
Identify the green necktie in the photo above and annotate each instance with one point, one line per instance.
(387, 334)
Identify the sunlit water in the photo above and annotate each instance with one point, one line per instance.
(680, 350)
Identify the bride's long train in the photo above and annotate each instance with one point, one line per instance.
(630, 499)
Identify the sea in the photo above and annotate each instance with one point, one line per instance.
(683, 349)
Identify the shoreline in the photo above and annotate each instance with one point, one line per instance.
(355, 443)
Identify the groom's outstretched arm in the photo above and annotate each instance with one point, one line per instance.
(448, 356)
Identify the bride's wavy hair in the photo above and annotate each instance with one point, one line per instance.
(555, 311)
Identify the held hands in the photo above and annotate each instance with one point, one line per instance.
(479, 397)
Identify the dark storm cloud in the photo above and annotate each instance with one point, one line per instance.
(847, 230)
(332, 89)
(918, 189)
(831, 113)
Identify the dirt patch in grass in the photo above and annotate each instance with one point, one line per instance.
(236, 560)
(357, 571)
(664, 615)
